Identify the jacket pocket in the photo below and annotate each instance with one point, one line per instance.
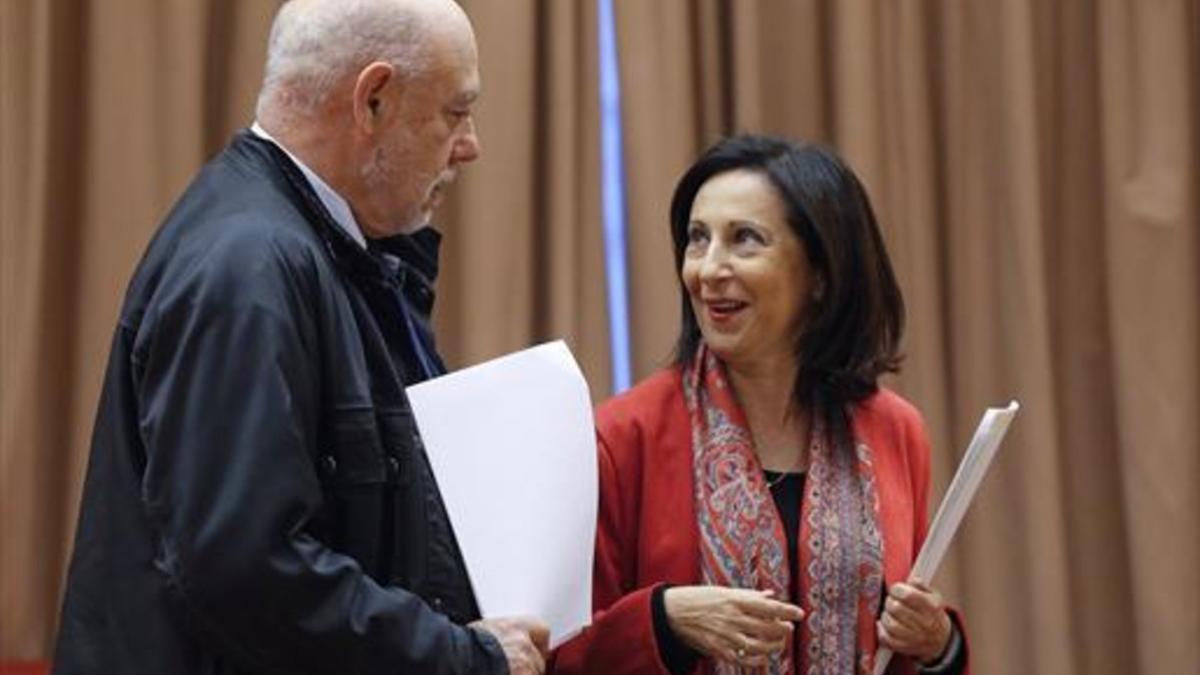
(353, 473)
(351, 452)
(398, 434)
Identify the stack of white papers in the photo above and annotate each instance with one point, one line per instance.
(513, 447)
(958, 497)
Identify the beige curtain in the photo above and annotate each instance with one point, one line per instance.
(1035, 165)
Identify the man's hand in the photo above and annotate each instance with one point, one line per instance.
(731, 624)
(525, 641)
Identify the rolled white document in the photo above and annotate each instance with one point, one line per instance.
(958, 497)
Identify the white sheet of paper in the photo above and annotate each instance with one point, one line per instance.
(958, 497)
(513, 447)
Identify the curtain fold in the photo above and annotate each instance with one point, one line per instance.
(1148, 89)
(41, 88)
(524, 258)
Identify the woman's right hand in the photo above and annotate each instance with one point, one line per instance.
(738, 625)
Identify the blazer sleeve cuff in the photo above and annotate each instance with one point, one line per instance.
(953, 660)
(620, 641)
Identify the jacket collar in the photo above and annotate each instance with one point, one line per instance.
(334, 203)
(418, 251)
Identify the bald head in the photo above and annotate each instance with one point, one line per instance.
(376, 97)
(315, 45)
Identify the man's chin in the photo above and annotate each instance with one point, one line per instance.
(416, 223)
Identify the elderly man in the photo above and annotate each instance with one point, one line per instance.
(258, 499)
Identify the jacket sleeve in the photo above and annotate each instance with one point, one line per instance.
(227, 379)
(621, 639)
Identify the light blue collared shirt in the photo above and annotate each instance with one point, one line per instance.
(338, 207)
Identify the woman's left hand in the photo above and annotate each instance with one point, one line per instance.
(915, 622)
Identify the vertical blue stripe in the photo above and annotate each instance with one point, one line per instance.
(612, 194)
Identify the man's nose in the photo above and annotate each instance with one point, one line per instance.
(468, 147)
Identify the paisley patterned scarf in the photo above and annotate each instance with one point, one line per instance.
(743, 545)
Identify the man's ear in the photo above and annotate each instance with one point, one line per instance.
(368, 94)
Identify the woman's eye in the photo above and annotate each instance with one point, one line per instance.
(696, 235)
(747, 235)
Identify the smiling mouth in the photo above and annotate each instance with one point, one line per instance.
(723, 310)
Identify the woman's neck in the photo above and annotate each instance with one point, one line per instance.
(766, 394)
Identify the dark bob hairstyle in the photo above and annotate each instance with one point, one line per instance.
(851, 333)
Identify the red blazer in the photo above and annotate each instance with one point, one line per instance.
(647, 534)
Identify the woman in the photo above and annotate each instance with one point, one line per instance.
(762, 501)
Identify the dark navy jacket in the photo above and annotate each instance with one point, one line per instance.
(257, 497)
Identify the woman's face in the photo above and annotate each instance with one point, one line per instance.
(745, 271)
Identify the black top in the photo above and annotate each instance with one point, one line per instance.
(788, 493)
